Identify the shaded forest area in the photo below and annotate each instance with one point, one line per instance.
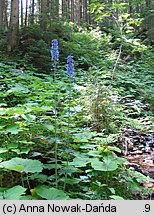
(76, 99)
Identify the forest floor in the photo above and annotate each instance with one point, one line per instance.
(91, 136)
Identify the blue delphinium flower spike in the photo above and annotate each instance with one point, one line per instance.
(70, 66)
(54, 51)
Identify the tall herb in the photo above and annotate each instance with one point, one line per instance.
(70, 74)
(54, 56)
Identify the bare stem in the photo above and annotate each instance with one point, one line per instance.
(115, 65)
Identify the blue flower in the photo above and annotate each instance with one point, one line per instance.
(54, 51)
(70, 66)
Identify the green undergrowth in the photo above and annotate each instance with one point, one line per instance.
(60, 139)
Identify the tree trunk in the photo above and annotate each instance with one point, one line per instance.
(6, 25)
(21, 8)
(44, 17)
(78, 11)
(2, 6)
(85, 11)
(72, 10)
(26, 13)
(32, 12)
(14, 25)
(89, 15)
(64, 8)
(56, 4)
(67, 9)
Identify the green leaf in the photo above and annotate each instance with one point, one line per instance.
(28, 117)
(23, 165)
(106, 165)
(70, 181)
(140, 178)
(83, 137)
(28, 198)
(50, 193)
(13, 146)
(18, 88)
(114, 197)
(109, 163)
(39, 177)
(50, 127)
(22, 151)
(14, 129)
(88, 146)
(97, 165)
(3, 150)
(114, 148)
(93, 153)
(14, 193)
(80, 161)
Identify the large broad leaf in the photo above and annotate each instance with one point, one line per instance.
(70, 181)
(14, 129)
(50, 193)
(18, 88)
(50, 127)
(140, 178)
(114, 148)
(96, 164)
(23, 165)
(107, 165)
(3, 150)
(83, 137)
(14, 193)
(80, 161)
(28, 117)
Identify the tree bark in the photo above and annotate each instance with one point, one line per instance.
(56, 9)
(85, 11)
(64, 8)
(2, 6)
(5, 14)
(26, 13)
(72, 10)
(21, 11)
(32, 12)
(14, 25)
(44, 17)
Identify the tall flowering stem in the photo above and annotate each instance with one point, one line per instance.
(70, 74)
(54, 55)
(70, 66)
(55, 60)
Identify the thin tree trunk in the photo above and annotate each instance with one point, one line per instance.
(21, 8)
(2, 6)
(72, 10)
(14, 25)
(64, 8)
(130, 8)
(78, 12)
(80, 9)
(68, 9)
(32, 12)
(89, 15)
(85, 11)
(56, 9)
(6, 25)
(26, 13)
(44, 17)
